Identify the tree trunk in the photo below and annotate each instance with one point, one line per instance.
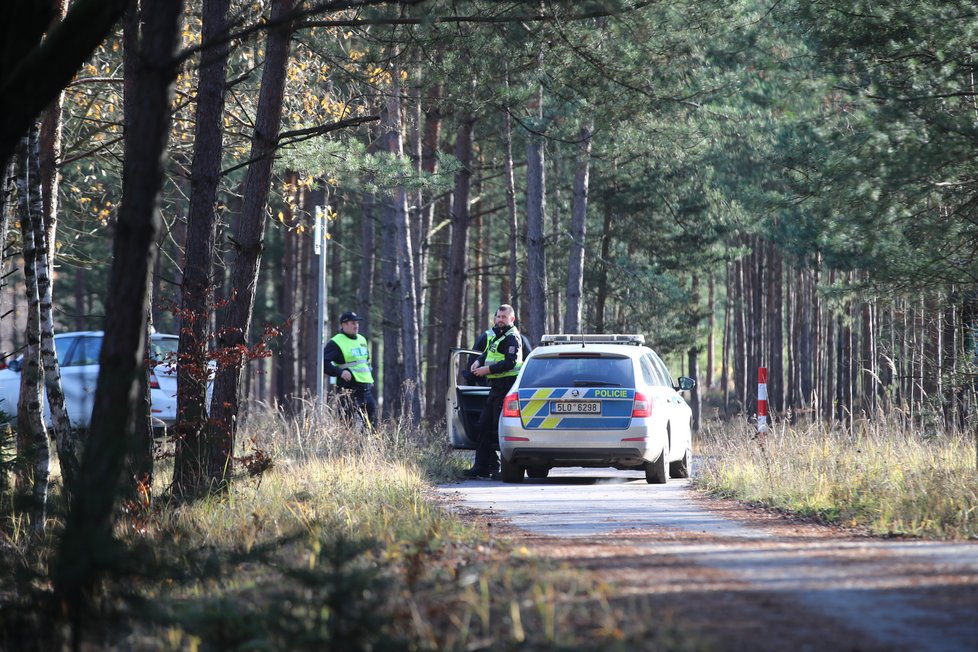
(514, 289)
(50, 151)
(695, 396)
(248, 242)
(458, 249)
(602, 297)
(578, 231)
(536, 210)
(710, 332)
(190, 464)
(141, 447)
(32, 437)
(286, 390)
(410, 348)
(89, 529)
(391, 282)
(775, 343)
(739, 354)
(726, 345)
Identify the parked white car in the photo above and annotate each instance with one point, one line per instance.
(78, 354)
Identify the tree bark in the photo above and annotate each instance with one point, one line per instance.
(286, 389)
(513, 263)
(390, 280)
(32, 436)
(196, 292)
(578, 231)
(86, 548)
(141, 448)
(33, 72)
(602, 295)
(410, 346)
(536, 208)
(458, 249)
(235, 321)
(710, 332)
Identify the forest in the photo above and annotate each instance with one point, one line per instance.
(785, 184)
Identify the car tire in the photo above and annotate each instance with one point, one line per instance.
(657, 472)
(537, 472)
(680, 468)
(511, 472)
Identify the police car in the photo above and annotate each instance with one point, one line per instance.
(595, 401)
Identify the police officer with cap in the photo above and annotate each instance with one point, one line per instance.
(347, 357)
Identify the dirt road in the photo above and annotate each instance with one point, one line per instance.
(743, 579)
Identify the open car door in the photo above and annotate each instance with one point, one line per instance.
(465, 400)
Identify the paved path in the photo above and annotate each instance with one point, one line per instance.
(902, 595)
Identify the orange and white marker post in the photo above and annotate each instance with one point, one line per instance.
(761, 400)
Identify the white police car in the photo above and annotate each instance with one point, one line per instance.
(595, 401)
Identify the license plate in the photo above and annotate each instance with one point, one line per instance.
(575, 407)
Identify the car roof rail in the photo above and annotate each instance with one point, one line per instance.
(636, 339)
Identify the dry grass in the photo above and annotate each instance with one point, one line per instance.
(881, 477)
(338, 545)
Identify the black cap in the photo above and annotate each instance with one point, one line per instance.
(350, 316)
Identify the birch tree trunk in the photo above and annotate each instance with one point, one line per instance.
(45, 236)
(430, 136)
(249, 241)
(197, 289)
(410, 349)
(578, 231)
(32, 437)
(88, 537)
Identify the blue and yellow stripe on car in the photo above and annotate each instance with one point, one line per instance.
(616, 408)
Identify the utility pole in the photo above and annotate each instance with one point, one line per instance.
(321, 237)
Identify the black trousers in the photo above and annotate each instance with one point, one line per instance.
(487, 427)
(353, 400)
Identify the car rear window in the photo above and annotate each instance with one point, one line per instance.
(577, 371)
(164, 349)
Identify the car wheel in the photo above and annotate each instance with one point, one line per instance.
(537, 472)
(680, 468)
(657, 472)
(511, 471)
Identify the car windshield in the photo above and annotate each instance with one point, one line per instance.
(577, 371)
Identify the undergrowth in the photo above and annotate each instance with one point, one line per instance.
(336, 545)
(881, 477)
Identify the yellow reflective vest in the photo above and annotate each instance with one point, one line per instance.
(493, 355)
(356, 357)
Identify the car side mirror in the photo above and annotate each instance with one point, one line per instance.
(15, 365)
(686, 383)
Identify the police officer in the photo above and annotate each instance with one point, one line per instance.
(499, 363)
(347, 357)
(480, 345)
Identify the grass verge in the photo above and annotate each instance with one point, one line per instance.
(881, 477)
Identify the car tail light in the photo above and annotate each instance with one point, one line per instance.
(154, 382)
(642, 407)
(511, 405)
